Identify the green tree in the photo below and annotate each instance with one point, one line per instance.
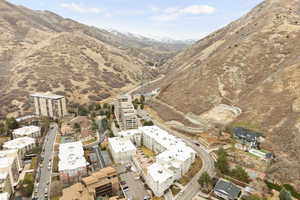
(106, 105)
(77, 127)
(222, 163)
(240, 174)
(142, 106)
(252, 197)
(142, 99)
(2, 128)
(94, 125)
(148, 123)
(11, 123)
(91, 107)
(98, 107)
(205, 181)
(93, 115)
(82, 111)
(285, 195)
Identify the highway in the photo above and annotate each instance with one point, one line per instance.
(43, 178)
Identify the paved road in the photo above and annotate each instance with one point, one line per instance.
(44, 174)
(192, 188)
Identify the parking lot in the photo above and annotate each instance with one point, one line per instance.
(136, 189)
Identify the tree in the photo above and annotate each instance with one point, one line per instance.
(142, 106)
(77, 127)
(11, 123)
(285, 195)
(91, 107)
(94, 125)
(56, 189)
(222, 163)
(205, 181)
(98, 107)
(82, 111)
(240, 174)
(148, 123)
(142, 99)
(252, 197)
(2, 128)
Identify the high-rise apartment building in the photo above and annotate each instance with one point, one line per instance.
(49, 105)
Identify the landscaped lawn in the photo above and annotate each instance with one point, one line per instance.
(33, 163)
(196, 166)
(148, 152)
(55, 164)
(4, 139)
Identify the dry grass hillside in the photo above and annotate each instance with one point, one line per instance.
(253, 63)
(41, 51)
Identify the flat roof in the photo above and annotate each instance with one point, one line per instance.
(159, 173)
(47, 95)
(19, 143)
(3, 175)
(71, 156)
(130, 132)
(4, 196)
(6, 158)
(26, 130)
(119, 144)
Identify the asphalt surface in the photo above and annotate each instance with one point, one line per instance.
(44, 174)
(192, 188)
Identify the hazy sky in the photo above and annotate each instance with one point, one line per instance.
(177, 19)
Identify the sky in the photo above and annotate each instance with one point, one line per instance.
(176, 19)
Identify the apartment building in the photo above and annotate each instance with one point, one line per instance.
(49, 105)
(103, 183)
(122, 149)
(134, 135)
(27, 131)
(72, 164)
(9, 164)
(6, 188)
(174, 158)
(125, 113)
(21, 144)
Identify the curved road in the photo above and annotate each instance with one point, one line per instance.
(192, 188)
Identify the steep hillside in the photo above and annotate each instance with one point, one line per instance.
(41, 51)
(253, 63)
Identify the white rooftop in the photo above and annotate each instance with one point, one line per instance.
(19, 119)
(4, 196)
(6, 159)
(159, 173)
(127, 133)
(26, 130)
(71, 156)
(119, 144)
(19, 143)
(3, 175)
(47, 95)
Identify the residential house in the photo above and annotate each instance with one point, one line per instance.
(227, 190)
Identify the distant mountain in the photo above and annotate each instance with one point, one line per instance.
(41, 51)
(252, 63)
(159, 50)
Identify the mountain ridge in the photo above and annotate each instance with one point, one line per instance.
(252, 63)
(41, 51)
